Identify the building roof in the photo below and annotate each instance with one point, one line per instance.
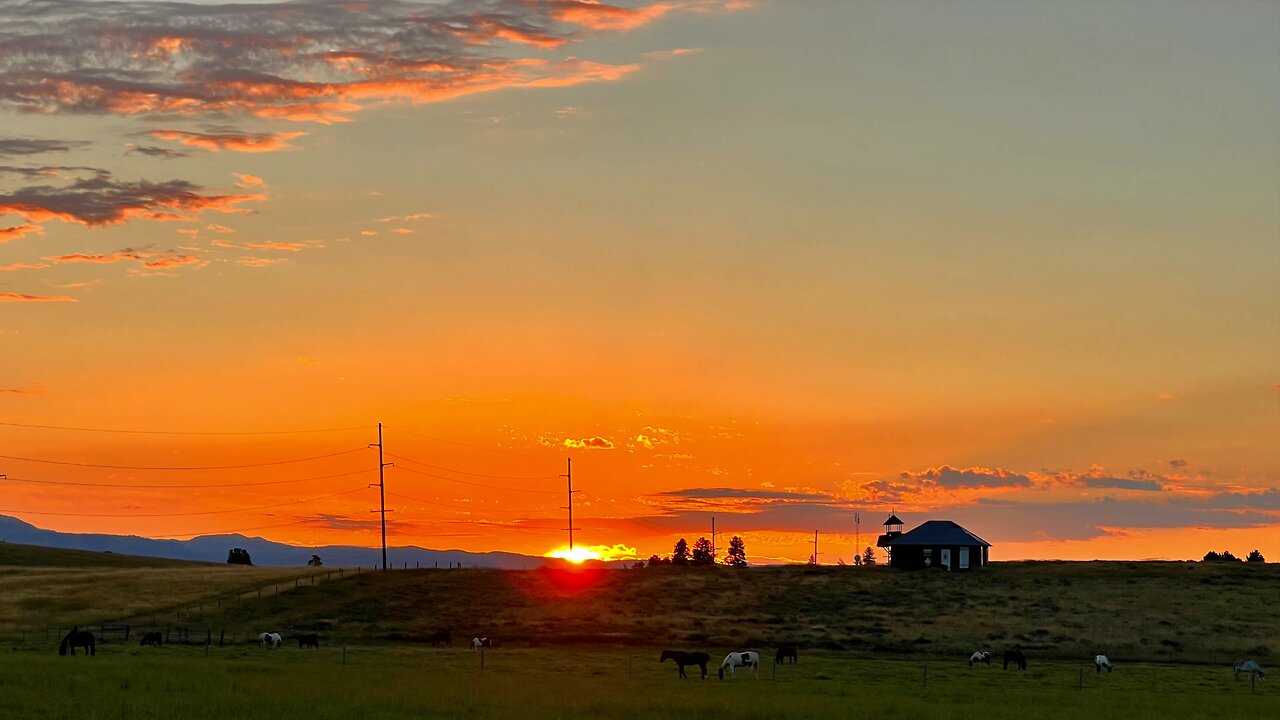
(938, 533)
(893, 520)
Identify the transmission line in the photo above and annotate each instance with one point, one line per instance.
(402, 496)
(462, 444)
(180, 487)
(474, 474)
(181, 432)
(176, 468)
(476, 484)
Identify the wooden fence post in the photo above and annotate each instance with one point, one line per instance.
(1081, 678)
(344, 654)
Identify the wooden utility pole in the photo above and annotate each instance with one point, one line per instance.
(382, 494)
(569, 476)
(815, 547)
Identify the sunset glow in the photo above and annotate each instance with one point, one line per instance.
(776, 264)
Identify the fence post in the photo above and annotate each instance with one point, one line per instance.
(344, 654)
(222, 632)
(1081, 678)
(482, 658)
(926, 675)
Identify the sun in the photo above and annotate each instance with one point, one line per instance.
(578, 554)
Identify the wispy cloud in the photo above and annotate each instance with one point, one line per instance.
(231, 140)
(590, 443)
(14, 147)
(8, 234)
(154, 151)
(13, 297)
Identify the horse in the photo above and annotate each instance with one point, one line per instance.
(442, 636)
(786, 652)
(78, 638)
(1016, 657)
(1101, 661)
(152, 638)
(481, 642)
(270, 639)
(979, 657)
(734, 660)
(1250, 667)
(684, 659)
(311, 640)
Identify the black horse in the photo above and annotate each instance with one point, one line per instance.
(78, 638)
(786, 652)
(441, 637)
(309, 641)
(1016, 657)
(152, 638)
(683, 659)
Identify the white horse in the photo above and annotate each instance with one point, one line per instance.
(979, 657)
(1250, 667)
(480, 642)
(1101, 661)
(735, 660)
(270, 639)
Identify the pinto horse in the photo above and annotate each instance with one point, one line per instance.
(734, 660)
(78, 638)
(270, 639)
(1101, 661)
(684, 659)
(152, 638)
(481, 642)
(979, 657)
(311, 640)
(1016, 657)
(786, 652)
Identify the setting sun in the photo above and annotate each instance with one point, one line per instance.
(581, 554)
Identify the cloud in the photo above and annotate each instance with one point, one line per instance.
(231, 140)
(403, 218)
(245, 180)
(591, 443)
(23, 266)
(259, 261)
(286, 246)
(722, 493)
(672, 54)
(402, 231)
(153, 151)
(1178, 463)
(100, 199)
(952, 478)
(313, 62)
(13, 147)
(148, 259)
(13, 297)
(8, 234)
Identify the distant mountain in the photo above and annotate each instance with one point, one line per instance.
(213, 548)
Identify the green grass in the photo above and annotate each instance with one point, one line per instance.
(567, 683)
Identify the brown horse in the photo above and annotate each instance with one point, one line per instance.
(78, 638)
(684, 659)
(786, 652)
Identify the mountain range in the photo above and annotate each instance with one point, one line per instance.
(214, 548)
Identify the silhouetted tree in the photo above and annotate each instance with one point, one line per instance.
(655, 561)
(1256, 556)
(857, 560)
(737, 555)
(680, 555)
(1224, 556)
(841, 562)
(239, 556)
(869, 556)
(315, 561)
(702, 553)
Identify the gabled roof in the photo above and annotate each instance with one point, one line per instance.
(938, 533)
(893, 520)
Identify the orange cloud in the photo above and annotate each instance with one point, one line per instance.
(599, 16)
(12, 297)
(246, 180)
(279, 245)
(591, 443)
(23, 266)
(18, 232)
(259, 262)
(99, 199)
(233, 141)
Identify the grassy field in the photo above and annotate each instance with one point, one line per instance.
(573, 682)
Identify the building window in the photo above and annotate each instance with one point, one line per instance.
(928, 557)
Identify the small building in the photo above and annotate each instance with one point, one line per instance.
(936, 543)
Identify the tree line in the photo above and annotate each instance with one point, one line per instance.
(702, 554)
(1226, 556)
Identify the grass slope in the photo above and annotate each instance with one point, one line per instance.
(1139, 611)
(18, 555)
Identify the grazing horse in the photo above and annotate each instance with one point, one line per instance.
(734, 660)
(979, 657)
(270, 639)
(310, 640)
(78, 638)
(442, 636)
(481, 642)
(1100, 662)
(1251, 667)
(152, 638)
(684, 659)
(1016, 657)
(786, 652)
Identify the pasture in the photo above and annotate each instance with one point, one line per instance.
(600, 684)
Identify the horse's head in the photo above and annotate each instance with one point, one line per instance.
(721, 672)
(666, 655)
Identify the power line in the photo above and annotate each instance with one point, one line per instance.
(182, 432)
(475, 484)
(402, 496)
(462, 444)
(208, 467)
(474, 474)
(183, 514)
(180, 487)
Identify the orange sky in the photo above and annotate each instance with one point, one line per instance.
(776, 264)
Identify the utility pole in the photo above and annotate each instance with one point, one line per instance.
(857, 534)
(569, 476)
(815, 547)
(713, 536)
(382, 494)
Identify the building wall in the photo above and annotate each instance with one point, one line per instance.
(911, 557)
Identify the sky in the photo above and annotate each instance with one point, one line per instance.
(786, 265)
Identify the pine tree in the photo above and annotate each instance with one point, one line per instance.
(869, 557)
(737, 555)
(1256, 556)
(680, 555)
(702, 553)
(239, 556)
(315, 561)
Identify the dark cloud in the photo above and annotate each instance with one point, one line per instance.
(97, 198)
(951, 478)
(13, 147)
(721, 493)
(153, 151)
(314, 61)
(1177, 463)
